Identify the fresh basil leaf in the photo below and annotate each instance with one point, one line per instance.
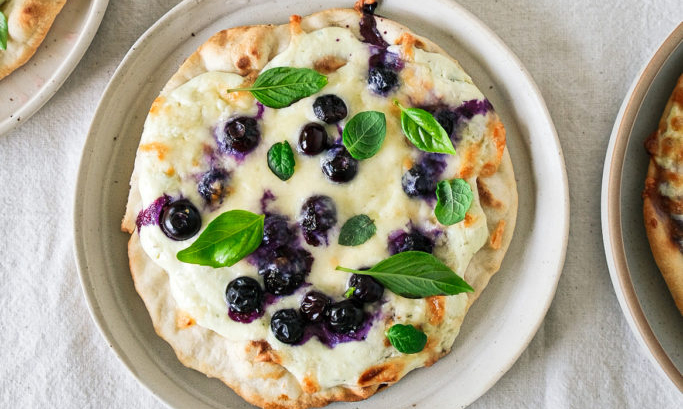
(415, 274)
(280, 87)
(226, 240)
(364, 133)
(454, 198)
(357, 230)
(406, 338)
(424, 131)
(281, 160)
(4, 31)
(349, 292)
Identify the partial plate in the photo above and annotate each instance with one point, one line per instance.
(500, 324)
(640, 288)
(26, 90)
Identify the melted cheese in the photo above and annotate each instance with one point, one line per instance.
(182, 124)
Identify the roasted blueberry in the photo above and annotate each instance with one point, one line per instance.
(447, 119)
(313, 306)
(338, 165)
(313, 139)
(276, 231)
(345, 316)
(212, 186)
(180, 220)
(240, 134)
(244, 295)
(286, 271)
(366, 288)
(381, 79)
(411, 241)
(318, 215)
(329, 108)
(287, 326)
(418, 182)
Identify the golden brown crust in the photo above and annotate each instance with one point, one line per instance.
(666, 252)
(28, 23)
(252, 370)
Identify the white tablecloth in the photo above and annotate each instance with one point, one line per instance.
(583, 56)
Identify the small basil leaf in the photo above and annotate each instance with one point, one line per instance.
(226, 240)
(280, 87)
(406, 338)
(281, 160)
(4, 31)
(364, 133)
(454, 198)
(424, 131)
(415, 274)
(357, 230)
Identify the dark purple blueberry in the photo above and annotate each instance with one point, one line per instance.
(447, 119)
(411, 241)
(313, 139)
(180, 220)
(366, 288)
(212, 186)
(318, 215)
(240, 134)
(244, 295)
(382, 80)
(313, 306)
(286, 271)
(418, 181)
(369, 8)
(338, 165)
(276, 231)
(329, 108)
(287, 326)
(345, 316)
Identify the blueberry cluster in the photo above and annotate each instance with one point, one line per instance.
(337, 164)
(281, 263)
(318, 312)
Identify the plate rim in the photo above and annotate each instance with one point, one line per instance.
(68, 65)
(612, 234)
(549, 128)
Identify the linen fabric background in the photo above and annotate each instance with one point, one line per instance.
(582, 54)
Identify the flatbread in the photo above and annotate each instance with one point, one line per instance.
(28, 22)
(251, 368)
(665, 175)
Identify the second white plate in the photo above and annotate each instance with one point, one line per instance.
(498, 327)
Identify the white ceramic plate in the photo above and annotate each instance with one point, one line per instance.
(498, 327)
(27, 89)
(641, 290)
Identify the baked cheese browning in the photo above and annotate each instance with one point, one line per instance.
(184, 320)
(389, 372)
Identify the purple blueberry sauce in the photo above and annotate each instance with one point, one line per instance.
(383, 66)
(150, 215)
(261, 110)
(267, 197)
(452, 118)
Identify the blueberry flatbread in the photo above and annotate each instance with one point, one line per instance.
(663, 196)
(27, 24)
(256, 209)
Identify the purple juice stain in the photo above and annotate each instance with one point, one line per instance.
(266, 198)
(368, 27)
(383, 66)
(452, 118)
(150, 215)
(261, 110)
